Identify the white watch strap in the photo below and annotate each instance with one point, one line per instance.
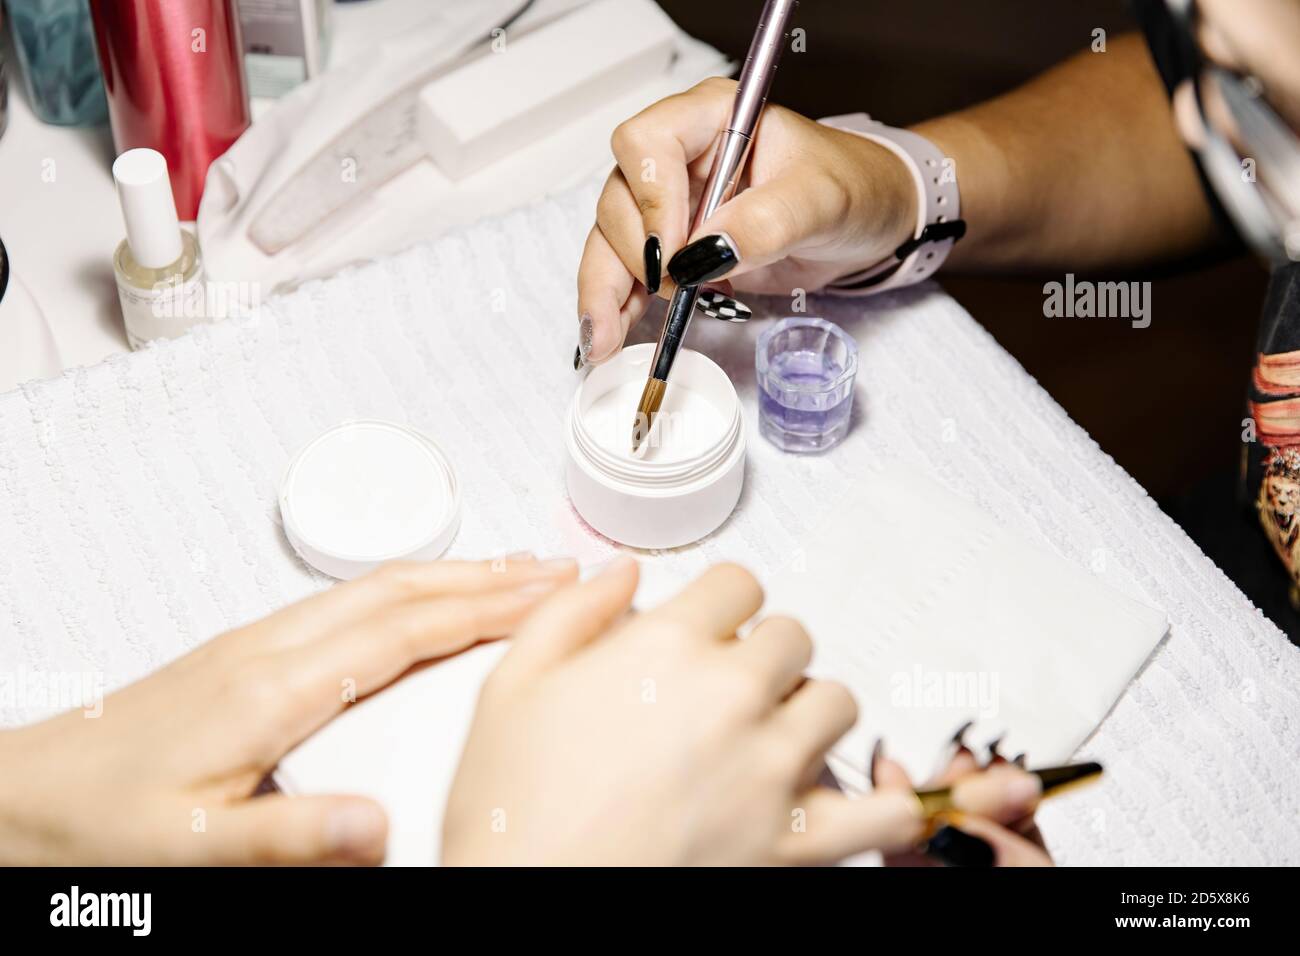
(938, 204)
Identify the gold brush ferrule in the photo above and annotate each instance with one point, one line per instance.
(1054, 780)
(935, 801)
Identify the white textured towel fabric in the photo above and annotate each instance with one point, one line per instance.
(138, 502)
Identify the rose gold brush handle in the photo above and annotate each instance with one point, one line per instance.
(751, 96)
(728, 162)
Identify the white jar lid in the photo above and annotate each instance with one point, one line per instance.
(366, 492)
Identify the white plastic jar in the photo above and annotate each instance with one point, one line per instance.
(687, 480)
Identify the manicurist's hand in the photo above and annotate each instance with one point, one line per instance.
(611, 737)
(994, 823)
(163, 774)
(820, 203)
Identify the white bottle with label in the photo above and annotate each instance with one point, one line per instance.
(158, 269)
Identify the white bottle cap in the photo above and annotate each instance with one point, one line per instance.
(153, 230)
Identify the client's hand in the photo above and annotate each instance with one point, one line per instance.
(820, 203)
(163, 775)
(659, 738)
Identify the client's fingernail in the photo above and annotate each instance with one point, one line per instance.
(654, 263)
(585, 334)
(618, 565)
(876, 753)
(536, 588)
(953, 847)
(724, 307)
(356, 829)
(704, 260)
(1020, 760)
(995, 755)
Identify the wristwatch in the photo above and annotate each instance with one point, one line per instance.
(939, 223)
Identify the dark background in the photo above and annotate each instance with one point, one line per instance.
(1167, 401)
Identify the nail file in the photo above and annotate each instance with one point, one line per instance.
(376, 148)
(502, 102)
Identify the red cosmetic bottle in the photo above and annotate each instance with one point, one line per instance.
(174, 75)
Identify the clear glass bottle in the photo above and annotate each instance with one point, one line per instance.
(160, 303)
(158, 268)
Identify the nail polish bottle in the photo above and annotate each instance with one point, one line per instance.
(158, 269)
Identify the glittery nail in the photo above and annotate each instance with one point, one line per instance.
(585, 332)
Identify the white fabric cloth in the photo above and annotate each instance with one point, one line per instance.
(420, 201)
(138, 504)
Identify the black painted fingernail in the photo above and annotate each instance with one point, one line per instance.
(724, 307)
(704, 260)
(577, 358)
(995, 755)
(876, 753)
(959, 738)
(1020, 759)
(953, 847)
(654, 263)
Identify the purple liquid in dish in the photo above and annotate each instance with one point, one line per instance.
(806, 368)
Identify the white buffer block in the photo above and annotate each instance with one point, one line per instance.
(505, 100)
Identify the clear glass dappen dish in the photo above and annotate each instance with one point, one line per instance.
(805, 370)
